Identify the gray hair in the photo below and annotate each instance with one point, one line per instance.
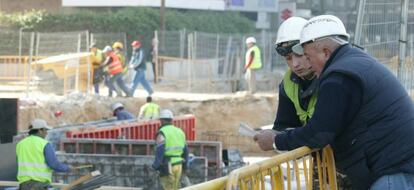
(332, 42)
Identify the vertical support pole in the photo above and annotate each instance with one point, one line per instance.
(360, 21)
(403, 39)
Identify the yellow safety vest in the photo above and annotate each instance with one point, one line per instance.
(292, 91)
(257, 61)
(31, 160)
(151, 110)
(174, 143)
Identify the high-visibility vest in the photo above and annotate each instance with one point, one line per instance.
(97, 58)
(115, 66)
(257, 61)
(292, 91)
(121, 57)
(174, 143)
(31, 160)
(151, 110)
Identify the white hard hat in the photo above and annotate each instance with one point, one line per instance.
(117, 105)
(318, 27)
(39, 124)
(290, 30)
(107, 49)
(250, 40)
(166, 114)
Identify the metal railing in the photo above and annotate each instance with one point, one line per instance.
(290, 170)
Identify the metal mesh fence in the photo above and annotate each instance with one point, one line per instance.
(107, 39)
(173, 43)
(49, 44)
(62, 74)
(380, 36)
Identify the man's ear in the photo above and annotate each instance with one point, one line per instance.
(326, 52)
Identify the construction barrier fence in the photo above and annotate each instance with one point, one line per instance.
(301, 168)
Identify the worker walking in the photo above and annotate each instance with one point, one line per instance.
(114, 65)
(171, 154)
(149, 110)
(253, 62)
(97, 59)
(362, 111)
(137, 63)
(119, 111)
(36, 159)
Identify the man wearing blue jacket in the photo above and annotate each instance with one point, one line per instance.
(36, 159)
(137, 63)
(362, 111)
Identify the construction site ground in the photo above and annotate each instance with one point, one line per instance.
(217, 115)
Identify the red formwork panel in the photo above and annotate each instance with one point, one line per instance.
(142, 130)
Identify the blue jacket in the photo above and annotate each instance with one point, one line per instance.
(374, 136)
(138, 59)
(124, 115)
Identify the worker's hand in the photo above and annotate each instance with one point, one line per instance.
(265, 139)
(131, 66)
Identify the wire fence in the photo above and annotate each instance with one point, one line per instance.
(380, 34)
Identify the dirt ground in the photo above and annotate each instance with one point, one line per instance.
(217, 115)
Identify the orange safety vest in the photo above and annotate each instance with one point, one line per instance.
(115, 66)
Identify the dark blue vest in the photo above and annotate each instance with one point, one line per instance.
(380, 140)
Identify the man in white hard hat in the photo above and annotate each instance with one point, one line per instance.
(252, 63)
(171, 154)
(115, 70)
(363, 111)
(36, 158)
(119, 111)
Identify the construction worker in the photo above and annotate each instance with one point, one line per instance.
(119, 111)
(137, 63)
(252, 63)
(114, 67)
(96, 59)
(171, 154)
(36, 159)
(362, 111)
(149, 110)
(297, 92)
(118, 48)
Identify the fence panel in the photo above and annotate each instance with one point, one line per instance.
(50, 44)
(380, 36)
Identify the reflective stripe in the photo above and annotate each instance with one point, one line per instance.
(33, 165)
(175, 148)
(34, 173)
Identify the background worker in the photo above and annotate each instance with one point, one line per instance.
(137, 63)
(118, 48)
(119, 111)
(171, 154)
(149, 110)
(97, 59)
(363, 111)
(252, 63)
(114, 67)
(36, 159)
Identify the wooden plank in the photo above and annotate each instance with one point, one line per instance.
(81, 180)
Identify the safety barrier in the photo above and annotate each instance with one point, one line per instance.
(14, 67)
(144, 130)
(279, 171)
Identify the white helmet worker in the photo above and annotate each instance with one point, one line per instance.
(290, 30)
(116, 106)
(319, 27)
(166, 114)
(107, 49)
(250, 40)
